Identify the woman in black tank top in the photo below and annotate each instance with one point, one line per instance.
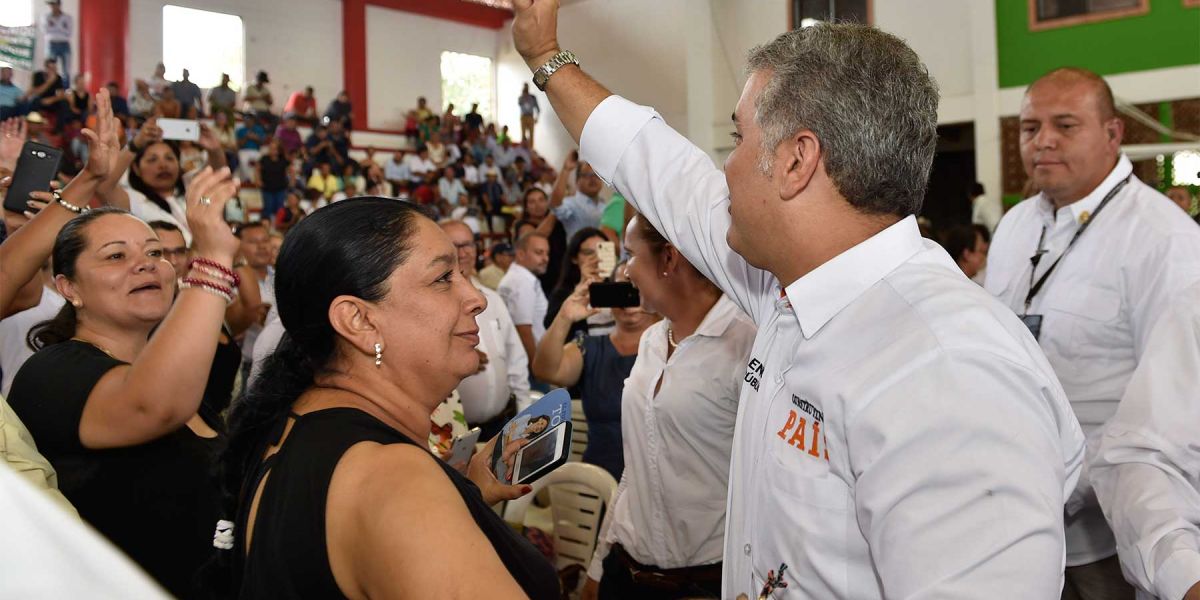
(332, 489)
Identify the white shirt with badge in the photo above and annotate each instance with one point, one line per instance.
(525, 299)
(670, 506)
(1098, 306)
(1147, 470)
(485, 395)
(899, 431)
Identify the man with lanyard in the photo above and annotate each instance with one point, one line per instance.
(899, 432)
(1089, 264)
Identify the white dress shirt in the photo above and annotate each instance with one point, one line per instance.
(1098, 306)
(58, 29)
(525, 299)
(1147, 471)
(899, 431)
(670, 505)
(144, 209)
(485, 395)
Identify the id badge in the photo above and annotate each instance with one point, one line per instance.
(1034, 323)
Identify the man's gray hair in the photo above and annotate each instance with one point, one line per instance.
(869, 100)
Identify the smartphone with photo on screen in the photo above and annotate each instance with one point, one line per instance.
(544, 454)
(607, 253)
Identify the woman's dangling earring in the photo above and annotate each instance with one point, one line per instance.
(378, 355)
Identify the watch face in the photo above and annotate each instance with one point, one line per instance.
(539, 79)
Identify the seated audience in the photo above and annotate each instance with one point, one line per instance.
(301, 106)
(289, 214)
(12, 97)
(327, 457)
(118, 425)
(273, 178)
(47, 89)
(142, 102)
(678, 409)
(323, 180)
(340, 111)
(595, 365)
(168, 106)
(288, 135)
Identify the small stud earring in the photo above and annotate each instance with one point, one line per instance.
(378, 354)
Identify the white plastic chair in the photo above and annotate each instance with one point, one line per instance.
(577, 493)
(579, 431)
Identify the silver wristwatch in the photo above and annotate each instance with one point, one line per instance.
(556, 62)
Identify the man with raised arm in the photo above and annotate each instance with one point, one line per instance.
(900, 433)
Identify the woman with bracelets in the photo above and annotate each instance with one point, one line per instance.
(132, 449)
(598, 365)
(663, 536)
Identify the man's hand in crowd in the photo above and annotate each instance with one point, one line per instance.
(103, 145)
(535, 30)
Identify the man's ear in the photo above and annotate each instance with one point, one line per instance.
(796, 161)
(352, 320)
(1115, 128)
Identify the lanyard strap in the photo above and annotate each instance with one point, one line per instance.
(1034, 288)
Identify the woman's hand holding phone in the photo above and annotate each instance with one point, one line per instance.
(480, 472)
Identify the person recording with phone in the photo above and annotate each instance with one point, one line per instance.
(582, 263)
(158, 185)
(597, 364)
(678, 409)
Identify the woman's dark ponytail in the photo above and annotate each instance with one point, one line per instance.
(348, 248)
(57, 330)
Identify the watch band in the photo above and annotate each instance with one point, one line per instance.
(542, 76)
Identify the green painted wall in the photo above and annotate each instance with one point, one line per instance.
(1167, 36)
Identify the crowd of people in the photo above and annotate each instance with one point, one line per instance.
(810, 398)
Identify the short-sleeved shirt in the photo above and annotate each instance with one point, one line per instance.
(523, 295)
(39, 78)
(274, 173)
(300, 104)
(221, 97)
(257, 129)
(9, 95)
(187, 93)
(579, 211)
(155, 500)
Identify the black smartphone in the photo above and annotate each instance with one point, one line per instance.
(613, 294)
(36, 168)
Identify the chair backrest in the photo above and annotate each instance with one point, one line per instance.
(578, 491)
(579, 431)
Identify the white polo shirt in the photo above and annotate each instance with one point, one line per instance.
(485, 395)
(1147, 470)
(1098, 306)
(670, 505)
(899, 431)
(525, 299)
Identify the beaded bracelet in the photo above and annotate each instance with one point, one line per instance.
(213, 274)
(79, 210)
(228, 274)
(208, 286)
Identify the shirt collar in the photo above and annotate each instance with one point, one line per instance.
(822, 293)
(718, 319)
(1081, 210)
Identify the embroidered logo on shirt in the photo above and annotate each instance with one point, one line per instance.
(797, 433)
(754, 372)
(774, 582)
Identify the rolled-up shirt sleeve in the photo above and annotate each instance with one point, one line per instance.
(676, 186)
(1147, 470)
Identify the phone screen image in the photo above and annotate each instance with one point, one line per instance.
(536, 455)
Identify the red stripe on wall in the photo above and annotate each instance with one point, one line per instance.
(103, 30)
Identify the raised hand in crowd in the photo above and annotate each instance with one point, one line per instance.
(12, 139)
(23, 253)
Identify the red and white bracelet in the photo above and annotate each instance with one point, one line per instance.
(217, 289)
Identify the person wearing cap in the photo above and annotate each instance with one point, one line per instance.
(899, 432)
(257, 97)
(502, 256)
(57, 30)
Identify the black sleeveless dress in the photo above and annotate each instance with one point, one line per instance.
(288, 558)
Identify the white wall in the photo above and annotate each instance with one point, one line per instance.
(297, 42)
(40, 10)
(404, 61)
(635, 47)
